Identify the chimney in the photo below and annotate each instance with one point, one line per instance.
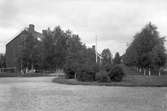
(31, 28)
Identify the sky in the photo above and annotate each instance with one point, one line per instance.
(113, 22)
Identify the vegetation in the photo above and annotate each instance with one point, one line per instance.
(147, 51)
(2, 61)
(60, 49)
(29, 57)
(106, 59)
(102, 76)
(116, 73)
(117, 59)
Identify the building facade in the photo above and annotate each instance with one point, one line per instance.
(13, 47)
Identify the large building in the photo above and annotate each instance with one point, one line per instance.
(13, 47)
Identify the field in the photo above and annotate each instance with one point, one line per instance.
(40, 94)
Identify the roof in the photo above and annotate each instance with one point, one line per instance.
(22, 32)
(35, 34)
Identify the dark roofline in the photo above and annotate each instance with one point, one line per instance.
(20, 34)
(16, 36)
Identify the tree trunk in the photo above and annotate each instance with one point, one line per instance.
(21, 67)
(32, 66)
(144, 71)
(75, 76)
(139, 69)
(149, 73)
(159, 73)
(26, 69)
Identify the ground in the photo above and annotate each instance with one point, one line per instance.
(40, 94)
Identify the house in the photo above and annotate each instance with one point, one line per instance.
(13, 47)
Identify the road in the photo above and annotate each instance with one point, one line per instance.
(40, 94)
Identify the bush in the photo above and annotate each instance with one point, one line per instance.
(85, 72)
(70, 73)
(85, 76)
(70, 69)
(102, 76)
(116, 74)
(107, 67)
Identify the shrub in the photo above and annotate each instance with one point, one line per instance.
(116, 74)
(105, 67)
(69, 71)
(85, 76)
(102, 76)
(85, 72)
(108, 67)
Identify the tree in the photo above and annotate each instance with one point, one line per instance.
(75, 54)
(106, 59)
(130, 57)
(60, 48)
(143, 51)
(2, 61)
(80, 61)
(117, 58)
(158, 58)
(54, 49)
(47, 50)
(29, 53)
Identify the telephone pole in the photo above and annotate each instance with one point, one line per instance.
(96, 50)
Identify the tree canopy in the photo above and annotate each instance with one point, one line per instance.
(117, 58)
(147, 49)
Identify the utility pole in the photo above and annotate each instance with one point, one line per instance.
(96, 50)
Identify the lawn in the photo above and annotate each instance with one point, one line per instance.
(17, 74)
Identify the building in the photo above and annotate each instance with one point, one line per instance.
(13, 47)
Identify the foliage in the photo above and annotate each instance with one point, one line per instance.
(116, 73)
(29, 56)
(80, 60)
(2, 61)
(85, 73)
(106, 57)
(54, 49)
(117, 58)
(107, 67)
(102, 76)
(70, 69)
(147, 49)
(158, 57)
(130, 57)
(60, 49)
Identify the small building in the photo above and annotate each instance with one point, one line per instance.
(13, 47)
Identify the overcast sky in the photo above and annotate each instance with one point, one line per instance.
(114, 22)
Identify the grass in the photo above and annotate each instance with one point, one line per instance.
(8, 74)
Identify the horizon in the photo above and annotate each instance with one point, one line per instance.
(113, 22)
